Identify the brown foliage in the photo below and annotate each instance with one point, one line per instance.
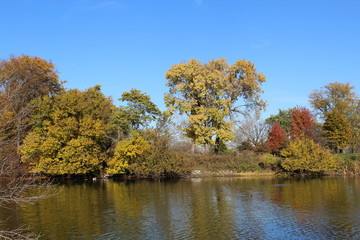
(23, 79)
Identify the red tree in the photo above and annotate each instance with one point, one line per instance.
(276, 137)
(302, 123)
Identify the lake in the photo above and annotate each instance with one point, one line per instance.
(200, 208)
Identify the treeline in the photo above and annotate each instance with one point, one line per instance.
(47, 129)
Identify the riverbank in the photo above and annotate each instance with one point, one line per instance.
(228, 173)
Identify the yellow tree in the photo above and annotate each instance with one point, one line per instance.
(23, 81)
(337, 130)
(210, 94)
(70, 136)
(336, 98)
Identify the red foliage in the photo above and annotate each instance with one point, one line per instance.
(302, 123)
(276, 137)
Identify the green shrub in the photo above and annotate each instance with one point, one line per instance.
(243, 166)
(270, 162)
(350, 162)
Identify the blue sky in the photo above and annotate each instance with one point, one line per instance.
(122, 44)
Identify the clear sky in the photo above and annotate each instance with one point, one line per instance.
(299, 45)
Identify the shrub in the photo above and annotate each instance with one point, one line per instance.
(127, 153)
(350, 163)
(270, 162)
(304, 155)
(142, 158)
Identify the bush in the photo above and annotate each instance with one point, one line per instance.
(138, 157)
(270, 162)
(304, 155)
(243, 165)
(350, 163)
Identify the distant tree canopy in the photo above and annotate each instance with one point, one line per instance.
(209, 94)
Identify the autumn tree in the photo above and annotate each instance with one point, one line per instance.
(276, 138)
(70, 136)
(336, 98)
(210, 94)
(337, 130)
(24, 80)
(302, 123)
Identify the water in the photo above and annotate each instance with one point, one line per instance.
(221, 208)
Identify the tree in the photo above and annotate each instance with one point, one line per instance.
(71, 134)
(252, 134)
(336, 98)
(276, 137)
(304, 155)
(283, 118)
(23, 81)
(337, 130)
(139, 112)
(302, 123)
(210, 94)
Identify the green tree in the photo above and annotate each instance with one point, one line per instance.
(210, 94)
(138, 113)
(304, 155)
(24, 80)
(283, 118)
(70, 136)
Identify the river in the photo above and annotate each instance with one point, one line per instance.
(200, 208)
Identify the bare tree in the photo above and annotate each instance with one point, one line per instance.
(251, 134)
(20, 85)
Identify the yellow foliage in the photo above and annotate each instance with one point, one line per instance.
(304, 155)
(72, 138)
(126, 152)
(208, 94)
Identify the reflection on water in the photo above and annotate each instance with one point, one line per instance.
(222, 208)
